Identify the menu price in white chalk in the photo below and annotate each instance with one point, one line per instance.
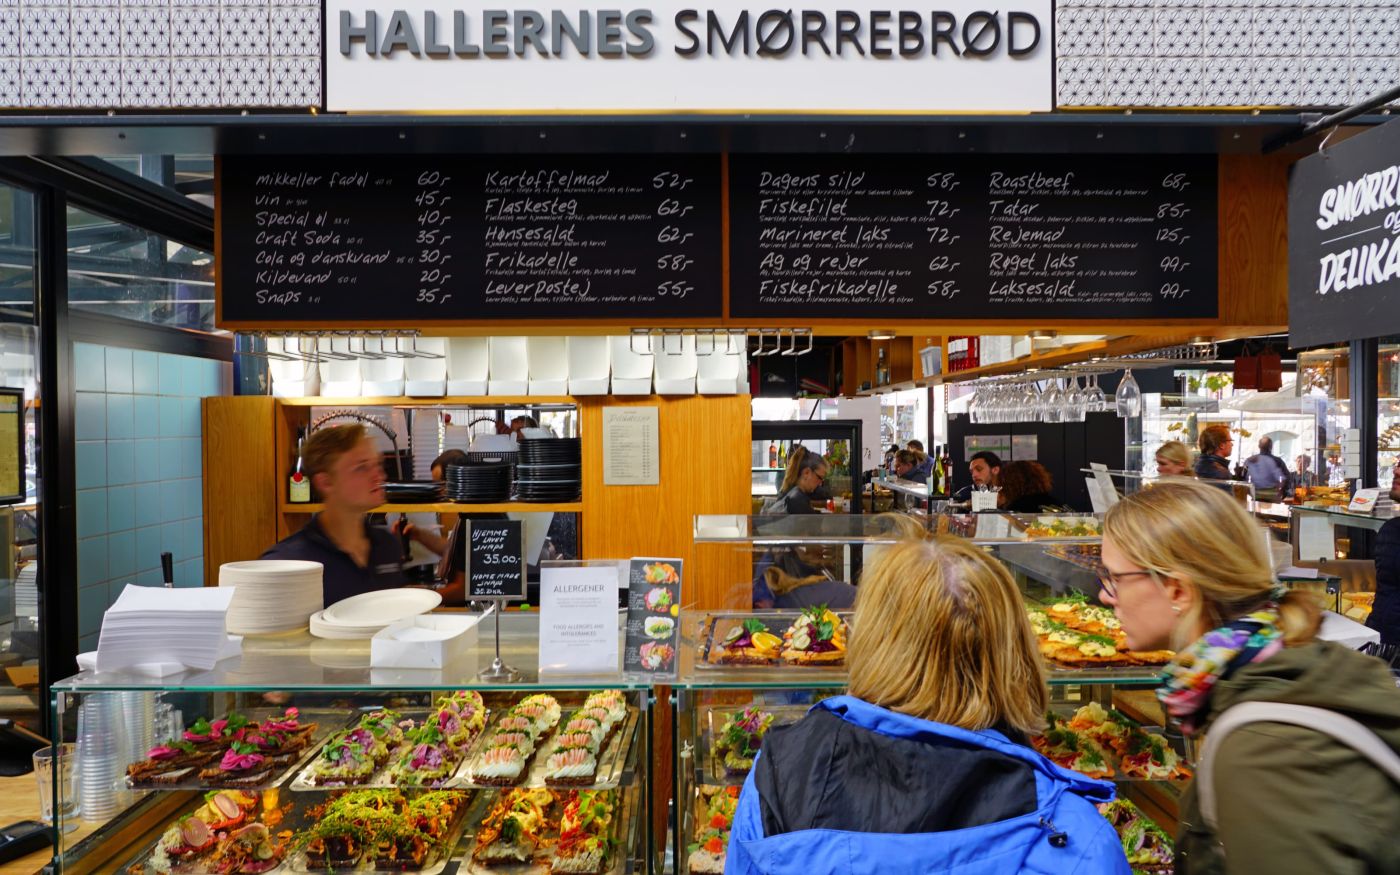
(932, 237)
(631, 446)
(495, 559)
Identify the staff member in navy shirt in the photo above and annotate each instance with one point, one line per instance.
(348, 472)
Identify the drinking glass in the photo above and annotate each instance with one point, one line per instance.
(974, 407)
(1052, 403)
(1075, 402)
(1030, 403)
(1094, 400)
(63, 758)
(1128, 397)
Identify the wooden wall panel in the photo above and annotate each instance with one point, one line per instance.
(240, 480)
(704, 469)
(1253, 240)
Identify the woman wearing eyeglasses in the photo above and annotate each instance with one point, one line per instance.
(1185, 568)
(806, 472)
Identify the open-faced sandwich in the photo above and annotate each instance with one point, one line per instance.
(428, 761)
(585, 833)
(1065, 747)
(1150, 757)
(817, 637)
(184, 758)
(541, 710)
(248, 850)
(712, 832)
(381, 829)
(240, 766)
(747, 643)
(350, 757)
(514, 827)
(612, 700)
(739, 739)
(1110, 730)
(1148, 848)
(574, 760)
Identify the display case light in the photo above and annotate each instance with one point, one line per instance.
(881, 334)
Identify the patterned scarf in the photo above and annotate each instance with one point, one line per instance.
(1189, 679)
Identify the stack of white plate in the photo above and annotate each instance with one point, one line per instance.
(271, 595)
(361, 616)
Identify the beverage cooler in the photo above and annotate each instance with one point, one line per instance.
(837, 440)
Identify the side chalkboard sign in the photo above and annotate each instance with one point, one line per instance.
(495, 560)
(417, 239)
(925, 237)
(1344, 240)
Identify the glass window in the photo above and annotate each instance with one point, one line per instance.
(120, 270)
(190, 175)
(19, 535)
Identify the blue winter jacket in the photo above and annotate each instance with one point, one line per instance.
(854, 788)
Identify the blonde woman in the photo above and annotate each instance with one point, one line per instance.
(806, 472)
(1173, 460)
(923, 767)
(1185, 567)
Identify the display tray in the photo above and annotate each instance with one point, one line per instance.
(623, 830)
(383, 776)
(716, 638)
(611, 759)
(326, 722)
(1086, 556)
(710, 770)
(438, 859)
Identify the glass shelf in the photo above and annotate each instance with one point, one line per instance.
(1340, 516)
(297, 661)
(867, 529)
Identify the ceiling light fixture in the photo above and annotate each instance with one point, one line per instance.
(881, 334)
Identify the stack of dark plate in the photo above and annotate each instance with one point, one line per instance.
(484, 483)
(415, 492)
(549, 470)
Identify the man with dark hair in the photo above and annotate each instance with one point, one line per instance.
(1267, 472)
(985, 468)
(347, 470)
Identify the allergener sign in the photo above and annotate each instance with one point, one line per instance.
(421, 55)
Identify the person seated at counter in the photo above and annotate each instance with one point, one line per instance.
(1025, 488)
(907, 467)
(1173, 460)
(347, 470)
(985, 468)
(1303, 477)
(1385, 612)
(925, 460)
(806, 472)
(1215, 444)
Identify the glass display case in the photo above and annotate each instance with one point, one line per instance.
(298, 756)
(838, 441)
(740, 674)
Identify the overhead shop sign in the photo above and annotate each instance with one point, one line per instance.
(1344, 241)
(422, 56)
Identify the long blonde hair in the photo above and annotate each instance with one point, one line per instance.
(940, 633)
(1199, 535)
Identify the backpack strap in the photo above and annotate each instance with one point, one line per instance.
(1339, 726)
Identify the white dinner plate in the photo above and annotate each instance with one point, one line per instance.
(382, 607)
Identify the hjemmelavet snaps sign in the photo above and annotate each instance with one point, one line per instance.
(422, 55)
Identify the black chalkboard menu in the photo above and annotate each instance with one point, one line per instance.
(922, 237)
(420, 238)
(495, 560)
(1344, 240)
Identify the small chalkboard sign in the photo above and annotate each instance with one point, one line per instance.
(495, 560)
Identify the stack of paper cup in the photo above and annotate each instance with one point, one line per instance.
(102, 754)
(271, 595)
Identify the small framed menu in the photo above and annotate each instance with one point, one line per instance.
(631, 446)
(653, 609)
(495, 559)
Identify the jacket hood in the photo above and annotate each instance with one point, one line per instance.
(1322, 674)
(897, 725)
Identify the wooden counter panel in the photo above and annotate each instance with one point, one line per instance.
(240, 480)
(1253, 240)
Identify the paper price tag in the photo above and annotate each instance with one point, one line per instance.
(983, 501)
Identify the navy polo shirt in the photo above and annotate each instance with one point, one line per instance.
(342, 577)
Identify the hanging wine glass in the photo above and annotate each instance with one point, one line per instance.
(1029, 407)
(1052, 403)
(1127, 399)
(1094, 400)
(1075, 404)
(974, 409)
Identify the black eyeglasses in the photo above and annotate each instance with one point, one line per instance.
(1109, 580)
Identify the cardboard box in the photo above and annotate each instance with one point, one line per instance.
(426, 641)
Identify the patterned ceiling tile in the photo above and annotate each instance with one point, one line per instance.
(1079, 32)
(97, 32)
(244, 82)
(146, 32)
(1180, 32)
(10, 95)
(9, 32)
(196, 82)
(1178, 81)
(295, 31)
(1375, 31)
(194, 31)
(1276, 81)
(1227, 82)
(146, 82)
(1277, 32)
(1128, 32)
(44, 32)
(1326, 32)
(1129, 82)
(296, 81)
(1228, 32)
(45, 82)
(97, 83)
(244, 30)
